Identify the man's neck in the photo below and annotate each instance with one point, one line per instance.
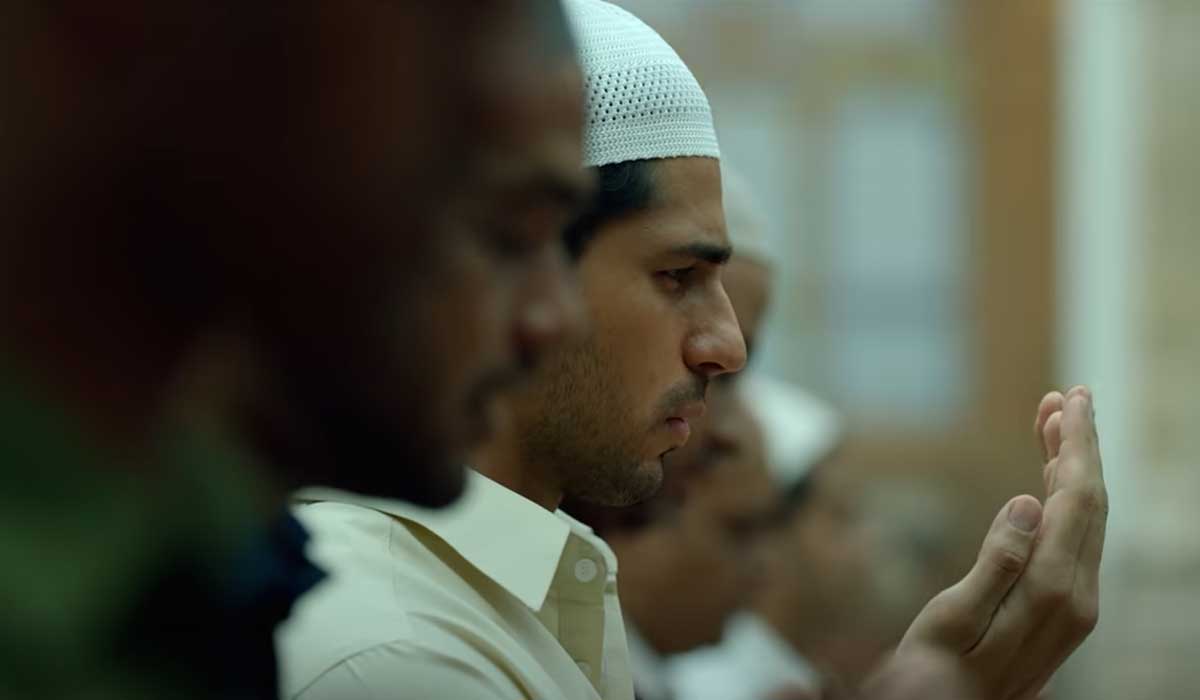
(502, 461)
(779, 610)
(640, 590)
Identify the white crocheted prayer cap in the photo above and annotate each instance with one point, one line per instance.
(641, 101)
(744, 217)
(800, 430)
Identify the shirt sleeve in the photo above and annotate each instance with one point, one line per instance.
(400, 672)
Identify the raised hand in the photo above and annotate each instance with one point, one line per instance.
(921, 674)
(1033, 595)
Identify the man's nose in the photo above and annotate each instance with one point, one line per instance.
(551, 311)
(717, 346)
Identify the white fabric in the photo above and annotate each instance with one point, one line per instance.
(751, 663)
(649, 668)
(800, 429)
(488, 599)
(744, 218)
(641, 100)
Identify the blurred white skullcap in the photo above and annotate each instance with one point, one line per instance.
(744, 217)
(640, 100)
(800, 429)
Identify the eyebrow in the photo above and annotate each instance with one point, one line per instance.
(710, 253)
(527, 183)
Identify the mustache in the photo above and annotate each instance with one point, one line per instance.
(694, 390)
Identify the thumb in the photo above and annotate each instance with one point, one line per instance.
(959, 616)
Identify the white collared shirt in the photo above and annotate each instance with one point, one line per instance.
(494, 597)
(751, 662)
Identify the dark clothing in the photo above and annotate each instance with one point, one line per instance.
(134, 578)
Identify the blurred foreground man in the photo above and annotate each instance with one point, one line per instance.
(247, 248)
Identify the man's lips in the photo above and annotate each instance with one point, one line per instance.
(680, 422)
(680, 428)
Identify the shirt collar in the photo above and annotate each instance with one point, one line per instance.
(510, 539)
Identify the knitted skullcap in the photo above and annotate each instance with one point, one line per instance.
(744, 217)
(640, 100)
(800, 430)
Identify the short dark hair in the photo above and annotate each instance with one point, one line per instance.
(621, 189)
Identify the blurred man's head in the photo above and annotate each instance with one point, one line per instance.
(699, 561)
(459, 279)
(817, 555)
(603, 412)
(750, 274)
(369, 197)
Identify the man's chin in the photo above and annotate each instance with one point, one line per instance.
(640, 486)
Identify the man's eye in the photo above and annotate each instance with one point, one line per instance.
(678, 276)
(513, 245)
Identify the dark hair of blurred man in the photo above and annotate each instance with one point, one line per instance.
(248, 247)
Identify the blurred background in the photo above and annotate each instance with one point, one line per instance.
(972, 202)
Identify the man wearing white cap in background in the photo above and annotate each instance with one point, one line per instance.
(501, 597)
(755, 659)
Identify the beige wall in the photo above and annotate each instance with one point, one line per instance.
(1148, 642)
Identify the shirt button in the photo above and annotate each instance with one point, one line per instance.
(586, 570)
(586, 668)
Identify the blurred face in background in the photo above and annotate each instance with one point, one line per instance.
(819, 590)
(709, 551)
(819, 553)
(748, 283)
(609, 407)
(695, 566)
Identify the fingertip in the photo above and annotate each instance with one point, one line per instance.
(1050, 402)
(1025, 513)
(1052, 435)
